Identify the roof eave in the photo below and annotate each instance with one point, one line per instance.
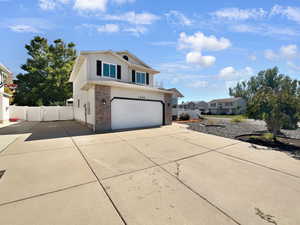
(78, 62)
(88, 84)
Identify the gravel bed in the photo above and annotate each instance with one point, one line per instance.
(231, 130)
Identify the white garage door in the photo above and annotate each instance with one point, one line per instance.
(135, 113)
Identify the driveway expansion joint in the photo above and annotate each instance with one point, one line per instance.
(258, 164)
(98, 180)
(187, 186)
(47, 193)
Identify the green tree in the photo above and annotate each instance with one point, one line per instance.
(47, 70)
(272, 97)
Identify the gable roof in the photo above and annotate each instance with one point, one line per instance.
(175, 90)
(225, 100)
(82, 56)
(134, 57)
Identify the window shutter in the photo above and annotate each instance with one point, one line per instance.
(147, 78)
(119, 72)
(99, 68)
(133, 76)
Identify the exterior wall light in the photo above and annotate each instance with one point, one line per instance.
(103, 101)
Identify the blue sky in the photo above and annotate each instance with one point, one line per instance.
(200, 47)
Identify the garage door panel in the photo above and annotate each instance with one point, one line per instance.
(135, 113)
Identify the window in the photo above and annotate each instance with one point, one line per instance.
(228, 104)
(140, 78)
(213, 104)
(109, 70)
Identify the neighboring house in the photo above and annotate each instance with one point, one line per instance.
(4, 97)
(176, 94)
(114, 90)
(202, 106)
(227, 106)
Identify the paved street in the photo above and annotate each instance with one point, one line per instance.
(60, 173)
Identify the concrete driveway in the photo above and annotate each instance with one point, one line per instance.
(60, 173)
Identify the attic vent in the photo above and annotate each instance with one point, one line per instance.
(2, 173)
(125, 57)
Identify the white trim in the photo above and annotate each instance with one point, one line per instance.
(121, 84)
(109, 77)
(144, 84)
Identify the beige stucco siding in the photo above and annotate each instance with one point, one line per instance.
(133, 93)
(126, 74)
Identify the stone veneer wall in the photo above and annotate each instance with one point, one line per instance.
(102, 112)
(168, 109)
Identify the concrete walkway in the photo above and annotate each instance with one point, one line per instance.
(59, 173)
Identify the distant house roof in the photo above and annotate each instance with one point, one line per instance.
(225, 100)
(178, 93)
(194, 102)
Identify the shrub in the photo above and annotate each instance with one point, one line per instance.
(268, 136)
(184, 116)
(237, 119)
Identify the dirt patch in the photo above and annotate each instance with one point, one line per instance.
(289, 140)
(281, 143)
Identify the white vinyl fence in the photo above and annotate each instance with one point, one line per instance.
(194, 114)
(43, 113)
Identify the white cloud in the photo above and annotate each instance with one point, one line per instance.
(199, 42)
(198, 84)
(252, 57)
(133, 18)
(270, 54)
(286, 52)
(230, 73)
(108, 28)
(227, 72)
(292, 13)
(26, 25)
(289, 51)
(197, 59)
(293, 66)
(176, 17)
(173, 67)
(136, 31)
(21, 28)
(265, 30)
(240, 14)
(91, 5)
(121, 2)
(113, 28)
(51, 4)
(47, 4)
(164, 43)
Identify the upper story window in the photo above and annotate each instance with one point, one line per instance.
(140, 77)
(109, 70)
(228, 104)
(213, 104)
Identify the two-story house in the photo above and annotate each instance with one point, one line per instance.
(115, 90)
(202, 106)
(227, 106)
(4, 97)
